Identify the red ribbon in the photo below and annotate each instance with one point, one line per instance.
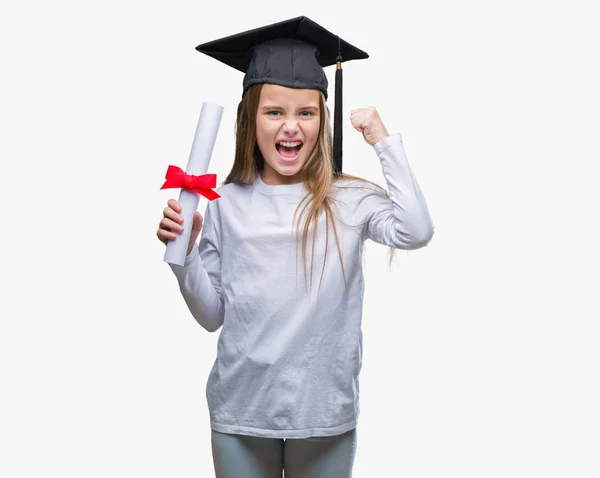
(177, 178)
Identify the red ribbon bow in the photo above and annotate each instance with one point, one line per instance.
(177, 178)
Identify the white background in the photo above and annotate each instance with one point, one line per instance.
(481, 354)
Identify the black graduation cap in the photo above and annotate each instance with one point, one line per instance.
(290, 53)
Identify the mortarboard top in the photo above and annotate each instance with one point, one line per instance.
(290, 53)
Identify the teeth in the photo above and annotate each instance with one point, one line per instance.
(288, 144)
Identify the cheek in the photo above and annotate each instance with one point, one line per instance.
(264, 133)
(266, 130)
(311, 132)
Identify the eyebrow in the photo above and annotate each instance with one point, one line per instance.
(274, 107)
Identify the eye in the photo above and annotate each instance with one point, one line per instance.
(273, 113)
(307, 113)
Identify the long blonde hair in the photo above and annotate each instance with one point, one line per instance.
(317, 173)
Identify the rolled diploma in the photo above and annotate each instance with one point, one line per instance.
(202, 147)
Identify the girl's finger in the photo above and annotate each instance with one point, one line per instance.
(173, 204)
(198, 220)
(165, 235)
(172, 214)
(170, 225)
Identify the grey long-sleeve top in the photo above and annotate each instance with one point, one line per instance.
(289, 356)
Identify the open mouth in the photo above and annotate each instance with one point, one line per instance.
(288, 150)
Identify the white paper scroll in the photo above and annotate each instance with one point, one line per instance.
(204, 141)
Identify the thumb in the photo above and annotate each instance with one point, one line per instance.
(196, 227)
(357, 120)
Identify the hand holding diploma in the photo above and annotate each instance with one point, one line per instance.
(172, 224)
(174, 229)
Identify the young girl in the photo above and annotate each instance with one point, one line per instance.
(279, 261)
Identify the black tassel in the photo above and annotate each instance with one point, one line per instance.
(337, 120)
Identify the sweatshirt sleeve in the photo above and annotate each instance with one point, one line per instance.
(200, 277)
(401, 221)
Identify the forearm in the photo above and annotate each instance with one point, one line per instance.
(410, 226)
(203, 300)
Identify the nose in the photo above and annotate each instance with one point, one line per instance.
(290, 125)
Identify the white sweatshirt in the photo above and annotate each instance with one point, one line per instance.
(288, 362)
